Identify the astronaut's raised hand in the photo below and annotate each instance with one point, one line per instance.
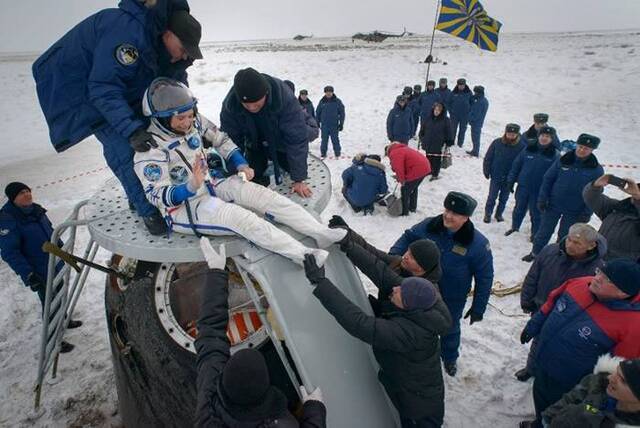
(199, 173)
(215, 259)
(247, 171)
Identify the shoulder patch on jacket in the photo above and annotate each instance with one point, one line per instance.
(4, 232)
(126, 54)
(152, 172)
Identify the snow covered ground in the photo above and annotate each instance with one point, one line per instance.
(586, 82)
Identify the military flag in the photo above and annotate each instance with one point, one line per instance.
(468, 20)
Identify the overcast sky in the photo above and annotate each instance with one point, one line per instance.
(32, 25)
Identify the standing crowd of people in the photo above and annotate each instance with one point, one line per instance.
(582, 292)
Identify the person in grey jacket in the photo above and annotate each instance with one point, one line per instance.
(580, 253)
(620, 218)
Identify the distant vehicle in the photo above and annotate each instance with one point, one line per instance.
(377, 36)
(302, 37)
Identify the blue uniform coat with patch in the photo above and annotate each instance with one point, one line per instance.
(531, 164)
(330, 114)
(426, 100)
(400, 125)
(500, 157)
(478, 106)
(444, 96)
(84, 81)
(459, 103)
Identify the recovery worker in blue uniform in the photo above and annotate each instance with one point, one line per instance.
(91, 82)
(465, 255)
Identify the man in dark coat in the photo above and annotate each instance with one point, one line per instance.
(435, 134)
(263, 117)
(421, 259)
(466, 255)
(540, 120)
(303, 99)
(496, 166)
(581, 320)
(528, 171)
(610, 397)
(580, 253)
(24, 227)
(620, 219)
(313, 130)
(444, 93)
(409, 316)
(237, 391)
(400, 125)
(478, 106)
(330, 115)
(427, 98)
(459, 110)
(364, 182)
(92, 80)
(414, 105)
(560, 196)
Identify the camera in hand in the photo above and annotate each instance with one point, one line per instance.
(617, 181)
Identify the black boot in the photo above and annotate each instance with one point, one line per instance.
(499, 218)
(529, 258)
(156, 225)
(66, 347)
(451, 368)
(527, 424)
(510, 231)
(487, 218)
(74, 324)
(523, 375)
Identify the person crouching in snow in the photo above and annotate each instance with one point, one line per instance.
(197, 175)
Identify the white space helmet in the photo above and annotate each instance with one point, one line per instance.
(167, 97)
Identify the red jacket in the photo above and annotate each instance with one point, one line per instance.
(407, 163)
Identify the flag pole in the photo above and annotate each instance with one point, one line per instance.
(429, 58)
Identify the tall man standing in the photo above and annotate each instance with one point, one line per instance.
(465, 255)
(459, 110)
(477, 112)
(330, 115)
(263, 117)
(92, 80)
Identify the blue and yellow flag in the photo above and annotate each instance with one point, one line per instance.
(468, 20)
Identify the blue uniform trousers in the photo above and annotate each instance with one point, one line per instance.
(335, 142)
(450, 342)
(549, 221)
(119, 156)
(497, 189)
(459, 127)
(475, 139)
(526, 199)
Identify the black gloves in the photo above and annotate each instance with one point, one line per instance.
(474, 317)
(525, 337)
(340, 127)
(141, 140)
(542, 206)
(511, 187)
(529, 308)
(35, 282)
(487, 176)
(206, 143)
(338, 222)
(314, 273)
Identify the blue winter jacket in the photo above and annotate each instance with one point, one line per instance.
(308, 106)
(531, 135)
(465, 255)
(500, 157)
(426, 100)
(444, 96)
(459, 103)
(281, 123)
(21, 239)
(531, 164)
(330, 114)
(96, 74)
(553, 266)
(478, 110)
(365, 181)
(400, 123)
(563, 183)
(414, 105)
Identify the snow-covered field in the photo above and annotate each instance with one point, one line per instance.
(586, 82)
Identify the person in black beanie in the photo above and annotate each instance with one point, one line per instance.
(264, 119)
(408, 318)
(237, 391)
(24, 227)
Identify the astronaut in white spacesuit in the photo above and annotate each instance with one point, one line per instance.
(199, 178)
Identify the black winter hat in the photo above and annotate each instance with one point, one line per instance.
(443, 80)
(460, 203)
(461, 81)
(478, 89)
(417, 88)
(408, 90)
(625, 275)
(588, 140)
(188, 30)
(304, 92)
(418, 293)
(249, 85)
(426, 253)
(328, 88)
(245, 378)
(14, 188)
(541, 118)
(431, 83)
(547, 130)
(401, 98)
(631, 371)
(512, 127)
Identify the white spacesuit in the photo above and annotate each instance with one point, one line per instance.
(218, 206)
